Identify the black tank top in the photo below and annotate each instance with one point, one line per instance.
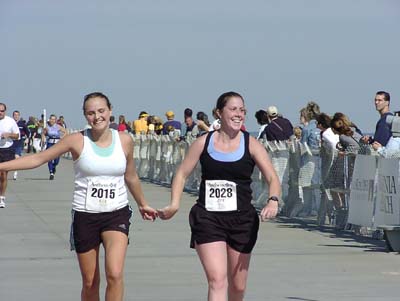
(239, 172)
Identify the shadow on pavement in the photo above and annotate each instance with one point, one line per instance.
(365, 242)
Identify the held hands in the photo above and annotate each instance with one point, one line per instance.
(148, 213)
(167, 212)
(376, 145)
(269, 211)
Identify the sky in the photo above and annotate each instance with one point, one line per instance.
(165, 55)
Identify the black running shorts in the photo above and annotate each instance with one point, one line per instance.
(238, 229)
(87, 227)
(7, 154)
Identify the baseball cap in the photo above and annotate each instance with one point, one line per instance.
(169, 114)
(272, 111)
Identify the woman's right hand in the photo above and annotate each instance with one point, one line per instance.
(167, 212)
(148, 213)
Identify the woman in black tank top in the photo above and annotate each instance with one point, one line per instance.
(223, 222)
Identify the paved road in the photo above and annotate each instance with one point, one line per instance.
(293, 259)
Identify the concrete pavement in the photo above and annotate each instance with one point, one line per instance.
(293, 259)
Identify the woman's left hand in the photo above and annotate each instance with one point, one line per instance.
(167, 212)
(269, 211)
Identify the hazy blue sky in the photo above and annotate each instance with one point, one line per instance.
(162, 55)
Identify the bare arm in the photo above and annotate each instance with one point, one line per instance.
(132, 180)
(68, 144)
(260, 156)
(178, 183)
(202, 125)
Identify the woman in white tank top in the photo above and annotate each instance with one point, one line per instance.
(104, 167)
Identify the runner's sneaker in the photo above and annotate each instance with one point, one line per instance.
(51, 176)
(15, 175)
(2, 203)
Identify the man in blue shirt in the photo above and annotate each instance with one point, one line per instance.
(383, 131)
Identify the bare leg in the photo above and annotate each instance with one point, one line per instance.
(213, 257)
(238, 268)
(3, 182)
(89, 265)
(115, 245)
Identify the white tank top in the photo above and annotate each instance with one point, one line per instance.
(99, 177)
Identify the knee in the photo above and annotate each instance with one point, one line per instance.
(237, 289)
(114, 276)
(91, 285)
(218, 282)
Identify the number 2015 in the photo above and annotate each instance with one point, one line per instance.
(103, 193)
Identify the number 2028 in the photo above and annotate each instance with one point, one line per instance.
(220, 192)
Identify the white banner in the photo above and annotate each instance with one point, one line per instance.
(362, 188)
(387, 197)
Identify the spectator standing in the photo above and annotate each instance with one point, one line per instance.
(309, 174)
(349, 138)
(113, 125)
(61, 121)
(327, 135)
(140, 125)
(189, 122)
(279, 128)
(383, 131)
(171, 123)
(310, 133)
(203, 124)
(123, 126)
(335, 178)
(262, 120)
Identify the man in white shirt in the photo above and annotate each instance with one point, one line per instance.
(9, 131)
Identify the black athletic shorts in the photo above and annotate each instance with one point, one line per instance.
(7, 154)
(238, 229)
(86, 228)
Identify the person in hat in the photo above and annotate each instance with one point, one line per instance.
(279, 128)
(171, 122)
(140, 125)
